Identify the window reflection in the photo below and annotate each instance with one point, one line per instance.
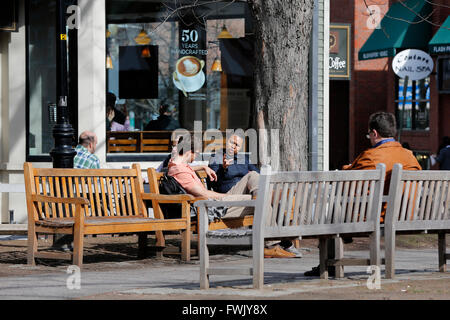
(219, 99)
(413, 110)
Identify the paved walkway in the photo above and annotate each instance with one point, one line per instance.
(283, 278)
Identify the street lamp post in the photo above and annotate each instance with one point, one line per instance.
(63, 152)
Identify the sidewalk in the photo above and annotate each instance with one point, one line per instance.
(128, 278)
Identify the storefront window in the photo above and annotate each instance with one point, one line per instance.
(413, 110)
(41, 80)
(155, 58)
(42, 76)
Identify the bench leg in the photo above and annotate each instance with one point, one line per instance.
(389, 252)
(32, 246)
(160, 243)
(186, 245)
(78, 249)
(338, 249)
(142, 245)
(203, 249)
(442, 252)
(258, 265)
(323, 254)
(375, 259)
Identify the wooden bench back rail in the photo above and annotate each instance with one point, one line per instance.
(112, 193)
(309, 203)
(419, 196)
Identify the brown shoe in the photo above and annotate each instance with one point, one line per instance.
(277, 252)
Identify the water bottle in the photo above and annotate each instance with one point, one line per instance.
(131, 121)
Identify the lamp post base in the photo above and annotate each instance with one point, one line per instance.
(63, 153)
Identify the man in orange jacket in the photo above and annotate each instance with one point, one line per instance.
(382, 130)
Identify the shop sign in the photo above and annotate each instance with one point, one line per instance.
(189, 75)
(412, 63)
(339, 60)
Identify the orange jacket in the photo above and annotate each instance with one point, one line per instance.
(388, 153)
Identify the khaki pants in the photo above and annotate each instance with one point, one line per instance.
(244, 190)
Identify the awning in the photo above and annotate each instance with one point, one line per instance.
(403, 27)
(441, 40)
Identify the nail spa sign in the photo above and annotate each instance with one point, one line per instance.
(412, 63)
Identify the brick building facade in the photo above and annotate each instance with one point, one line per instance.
(373, 87)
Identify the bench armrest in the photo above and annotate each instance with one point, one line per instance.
(168, 198)
(212, 203)
(74, 200)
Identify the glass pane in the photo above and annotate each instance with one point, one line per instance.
(218, 99)
(42, 75)
(413, 107)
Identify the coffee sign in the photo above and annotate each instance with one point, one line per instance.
(339, 60)
(412, 63)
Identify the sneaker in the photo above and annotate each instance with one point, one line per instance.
(294, 250)
(315, 272)
(277, 252)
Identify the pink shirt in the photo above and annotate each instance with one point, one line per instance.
(115, 126)
(184, 175)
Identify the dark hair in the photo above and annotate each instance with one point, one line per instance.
(186, 143)
(445, 142)
(163, 108)
(384, 123)
(110, 100)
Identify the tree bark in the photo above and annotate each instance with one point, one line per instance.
(283, 32)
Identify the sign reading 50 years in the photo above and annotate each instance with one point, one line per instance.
(191, 43)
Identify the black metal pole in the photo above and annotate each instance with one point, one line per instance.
(63, 152)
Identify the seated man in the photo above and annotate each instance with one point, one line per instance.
(381, 133)
(85, 157)
(230, 170)
(245, 189)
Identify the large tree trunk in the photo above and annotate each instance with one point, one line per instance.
(283, 35)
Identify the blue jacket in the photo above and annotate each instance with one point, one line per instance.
(227, 178)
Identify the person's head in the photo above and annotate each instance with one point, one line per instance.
(235, 143)
(188, 148)
(110, 100)
(88, 140)
(382, 125)
(110, 113)
(165, 109)
(173, 142)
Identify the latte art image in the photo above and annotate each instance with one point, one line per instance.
(189, 67)
(188, 75)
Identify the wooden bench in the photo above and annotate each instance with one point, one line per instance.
(154, 178)
(419, 202)
(319, 205)
(83, 202)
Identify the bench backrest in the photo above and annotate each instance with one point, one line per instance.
(111, 192)
(314, 203)
(419, 197)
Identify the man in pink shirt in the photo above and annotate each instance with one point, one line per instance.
(179, 168)
(245, 189)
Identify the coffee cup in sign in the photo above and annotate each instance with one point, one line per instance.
(189, 71)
